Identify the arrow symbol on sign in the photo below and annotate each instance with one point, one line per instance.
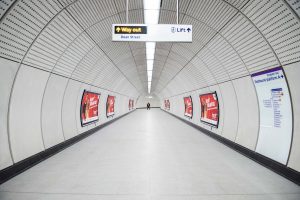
(189, 29)
(118, 29)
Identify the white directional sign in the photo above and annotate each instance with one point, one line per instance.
(152, 32)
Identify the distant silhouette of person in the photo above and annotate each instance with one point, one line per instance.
(148, 106)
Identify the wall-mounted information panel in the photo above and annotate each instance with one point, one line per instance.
(188, 106)
(152, 32)
(89, 107)
(209, 108)
(276, 121)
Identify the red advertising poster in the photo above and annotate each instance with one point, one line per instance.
(188, 106)
(167, 104)
(130, 104)
(209, 108)
(110, 106)
(89, 107)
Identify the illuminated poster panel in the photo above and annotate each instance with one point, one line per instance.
(89, 107)
(167, 104)
(209, 108)
(275, 131)
(110, 106)
(188, 106)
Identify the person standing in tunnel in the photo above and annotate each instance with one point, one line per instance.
(148, 106)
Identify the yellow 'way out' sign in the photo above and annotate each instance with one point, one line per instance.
(130, 29)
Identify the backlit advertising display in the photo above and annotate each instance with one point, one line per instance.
(89, 107)
(110, 106)
(209, 108)
(131, 104)
(188, 106)
(167, 104)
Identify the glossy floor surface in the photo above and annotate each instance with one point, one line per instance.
(148, 155)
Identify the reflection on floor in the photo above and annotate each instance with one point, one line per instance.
(148, 155)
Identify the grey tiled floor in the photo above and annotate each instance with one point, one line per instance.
(148, 155)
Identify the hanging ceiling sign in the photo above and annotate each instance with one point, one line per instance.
(152, 33)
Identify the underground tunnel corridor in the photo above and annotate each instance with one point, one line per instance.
(148, 155)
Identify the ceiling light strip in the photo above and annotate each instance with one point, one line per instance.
(151, 16)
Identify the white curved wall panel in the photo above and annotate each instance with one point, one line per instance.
(292, 73)
(8, 72)
(231, 115)
(25, 113)
(248, 112)
(70, 110)
(51, 110)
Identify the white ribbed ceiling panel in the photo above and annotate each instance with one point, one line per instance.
(249, 44)
(204, 70)
(213, 13)
(230, 60)
(295, 5)
(89, 12)
(216, 67)
(279, 26)
(53, 42)
(4, 6)
(73, 55)
(22, 25)
(93, 58)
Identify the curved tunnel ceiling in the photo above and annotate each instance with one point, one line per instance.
(231, 39)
